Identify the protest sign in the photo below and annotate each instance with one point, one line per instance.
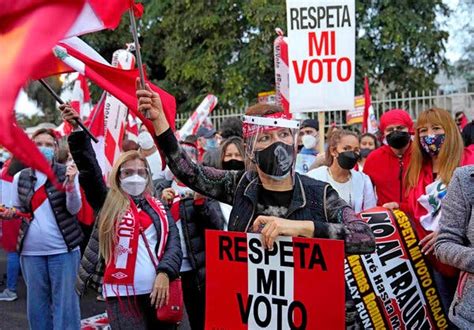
(321, 49)
(394, 287)
(299, 284)
(356, 115)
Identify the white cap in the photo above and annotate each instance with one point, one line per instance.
(145, 140)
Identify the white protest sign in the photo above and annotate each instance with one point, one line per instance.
(321, 47)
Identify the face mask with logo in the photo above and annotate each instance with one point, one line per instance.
(133, 185)
(276, 160)
(432, 143)
(47, 152)
(233, 164)
(398, 139)
(364, 152)
(347, 159)
(309, 141)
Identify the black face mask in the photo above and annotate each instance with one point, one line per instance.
(347, 159)
(233, 164)
(398, 139)
(276, 159)
(364, 152)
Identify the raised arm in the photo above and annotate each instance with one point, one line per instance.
(344, 224)
(90, 174)
(217, 184)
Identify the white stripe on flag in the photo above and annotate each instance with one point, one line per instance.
(122, 256)
(86, 22)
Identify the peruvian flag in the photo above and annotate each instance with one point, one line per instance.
(96, 124)
(34, 27)
(132, 127)
(28, 27)
(80, 101)
(192, 125)
(369, 123)
(73, 54)
(299, 284)
(282, 80)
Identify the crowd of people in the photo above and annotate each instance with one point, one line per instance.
(131, 236)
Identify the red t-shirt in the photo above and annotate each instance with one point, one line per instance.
(387, 172)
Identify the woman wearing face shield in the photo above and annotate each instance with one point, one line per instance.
(134, 251)
(342, 155)
(268, 197)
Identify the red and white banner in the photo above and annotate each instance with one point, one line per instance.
(394, 287)
(199, 115)
(115, 114)
(280, 53)
(299, 284)
(96, 125)
(321, 51)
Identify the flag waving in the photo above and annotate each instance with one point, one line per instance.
(369, 123)
(28, 27)
(33, 27)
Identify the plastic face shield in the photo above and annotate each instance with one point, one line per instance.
(271, 146)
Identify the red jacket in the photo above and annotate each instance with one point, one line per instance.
(387, 172)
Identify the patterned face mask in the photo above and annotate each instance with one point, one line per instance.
(432, 143)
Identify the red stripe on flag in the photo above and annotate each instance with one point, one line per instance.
(38, 198)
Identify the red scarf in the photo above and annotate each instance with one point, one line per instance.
(121, 268)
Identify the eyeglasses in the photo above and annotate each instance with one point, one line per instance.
(127, 172)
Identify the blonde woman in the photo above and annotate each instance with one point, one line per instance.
(133, 227)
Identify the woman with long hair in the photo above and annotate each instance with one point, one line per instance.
(132, 235)
(436, 152)
(342, 154)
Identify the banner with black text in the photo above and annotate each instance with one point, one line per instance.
(299, 284)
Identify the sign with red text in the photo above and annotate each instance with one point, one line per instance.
(394, 288)
(321, 48)
(299, 284)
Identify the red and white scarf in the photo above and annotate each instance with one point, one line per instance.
(120, 270)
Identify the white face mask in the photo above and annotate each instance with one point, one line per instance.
(145, 140)
(309, 141)
(133, 185)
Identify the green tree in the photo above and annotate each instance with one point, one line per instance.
(224, 47)
(46, 102)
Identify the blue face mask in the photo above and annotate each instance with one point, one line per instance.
(210, 144)
(47, 152)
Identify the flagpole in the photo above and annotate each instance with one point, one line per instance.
(60, 101)
(133, 25)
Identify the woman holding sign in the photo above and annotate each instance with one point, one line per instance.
(267, 197)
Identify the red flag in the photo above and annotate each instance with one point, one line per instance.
(79, 56)
(367, 97)
(28, 27)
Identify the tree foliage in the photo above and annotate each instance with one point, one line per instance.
(45, 101)
(225, 47)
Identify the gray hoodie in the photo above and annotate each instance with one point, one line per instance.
(455, 243)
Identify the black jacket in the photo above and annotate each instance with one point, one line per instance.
(195, 219)
(312, 199)
(90, 178)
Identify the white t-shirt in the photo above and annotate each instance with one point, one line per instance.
(343, 189)
(145, 272)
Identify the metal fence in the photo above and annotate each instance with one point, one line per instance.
(414, 103)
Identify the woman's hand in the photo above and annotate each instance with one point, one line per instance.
(7, 213)
(69, 114)
(71, 172)
(427, 243)
(168, 195)
(149, 104)
(161, 291)
(272, 227)
(391, 205)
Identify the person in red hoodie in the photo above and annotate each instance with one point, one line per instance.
(387, 165)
